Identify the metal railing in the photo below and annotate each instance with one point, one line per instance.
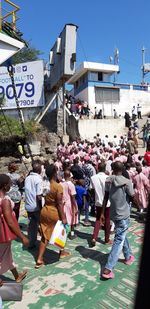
(12, 14)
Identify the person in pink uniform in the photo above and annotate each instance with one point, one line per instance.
(135, 156)
(145, 169)
(132, 172)
(142, 189)
(69, 202)
(58, 164)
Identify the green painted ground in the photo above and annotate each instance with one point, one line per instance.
(75, 282)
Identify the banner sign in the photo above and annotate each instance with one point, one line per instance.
(29, 81)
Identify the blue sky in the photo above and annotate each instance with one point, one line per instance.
(103, 25)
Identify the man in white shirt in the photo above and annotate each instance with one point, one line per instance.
(139, 108)
(105, 141)
(33, 201)
(98, 184)
(134, 113)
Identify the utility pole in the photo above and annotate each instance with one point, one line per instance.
(116, 60)
(0, 15)
(143, 62)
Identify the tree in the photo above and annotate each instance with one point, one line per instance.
(12, 127)
(26, 54)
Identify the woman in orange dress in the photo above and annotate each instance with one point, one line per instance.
(51, 213)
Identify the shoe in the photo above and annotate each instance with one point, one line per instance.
(21, 276)
(64, 254)
(93, 243)
(109, 242)
(38, 265)
(130, 260)
(111, 275)
(87, 223)
(72, 237)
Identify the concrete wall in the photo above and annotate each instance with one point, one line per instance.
(128, 98)
(88, 128)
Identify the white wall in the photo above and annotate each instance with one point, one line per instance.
(88, 128)
(128, 98)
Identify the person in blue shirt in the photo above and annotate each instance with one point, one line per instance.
(81, 198)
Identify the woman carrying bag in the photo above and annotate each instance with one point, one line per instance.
(51, 213)
(9, 230)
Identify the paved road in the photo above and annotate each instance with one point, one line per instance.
(75, 281)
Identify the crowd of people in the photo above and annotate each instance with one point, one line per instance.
(79, 108)
(104, 178)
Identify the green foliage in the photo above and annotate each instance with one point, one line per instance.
(26, 54)
(2, 100)
(8, 124)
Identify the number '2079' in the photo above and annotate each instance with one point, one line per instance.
(28, 88)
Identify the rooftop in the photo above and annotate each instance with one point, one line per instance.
(10, 41)
(94, 67)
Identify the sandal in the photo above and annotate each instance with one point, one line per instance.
(38, 265)
(109, 242)
(93, 243)
(21, 276)
(64, 254)
(110, 275)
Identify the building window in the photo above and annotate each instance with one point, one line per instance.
(93, 76)
(100, 76)
(107, 94)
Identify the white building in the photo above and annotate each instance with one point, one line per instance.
(94, 83)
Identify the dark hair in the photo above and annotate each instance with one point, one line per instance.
(12, 166)
(66, 166)
(117, 167)
(139, 169)
(4, 180)
(36, 166)
(101, 167)
(128, 165)
(144, 163)
(76, 160)
(148, 147)
(51, 171)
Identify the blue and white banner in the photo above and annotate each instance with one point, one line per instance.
(29, 81)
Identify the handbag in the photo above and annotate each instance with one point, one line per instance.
(11, 290)
(59, 235)
(6, 234)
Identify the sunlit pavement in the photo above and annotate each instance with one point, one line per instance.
(74, 282)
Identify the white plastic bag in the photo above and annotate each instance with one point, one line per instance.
(59, 235)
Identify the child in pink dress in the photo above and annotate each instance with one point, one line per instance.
(142, 188)
(146, 169)
(69, 202)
